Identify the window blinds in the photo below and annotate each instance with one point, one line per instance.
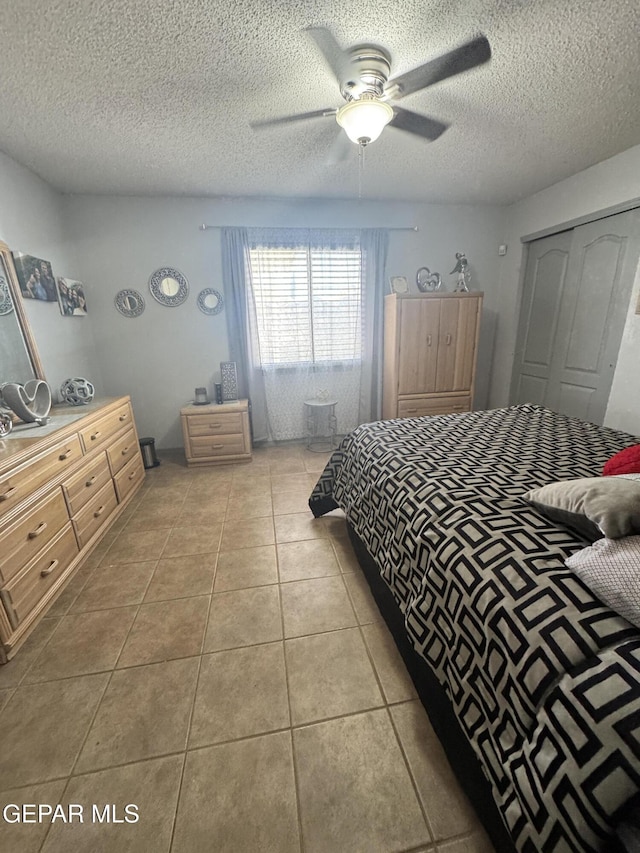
(307, 304)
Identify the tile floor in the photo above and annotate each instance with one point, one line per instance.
(219, 663)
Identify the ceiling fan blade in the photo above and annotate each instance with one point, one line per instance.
(336, 58)
(271, 122)
(423, 126)
(341, 148)
(463, 58)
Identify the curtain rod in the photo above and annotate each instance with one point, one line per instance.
(205, 227)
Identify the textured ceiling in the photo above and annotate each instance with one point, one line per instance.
(154, 97)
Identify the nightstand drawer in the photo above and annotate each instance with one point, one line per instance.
(20, 542)
(222, 445)
(128, 478)
(122, 451)
(27, 588)
(86, 483)
(105, 427)
(96, 513)
(22, 482)
(223, 423)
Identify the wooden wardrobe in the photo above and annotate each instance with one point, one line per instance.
(430, 351)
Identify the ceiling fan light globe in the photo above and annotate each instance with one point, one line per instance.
(364, 120)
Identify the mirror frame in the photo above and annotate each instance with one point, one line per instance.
(155, 286)
(23, 322)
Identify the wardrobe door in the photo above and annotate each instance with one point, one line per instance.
(457, 343)
(418, 345)
(575, 300)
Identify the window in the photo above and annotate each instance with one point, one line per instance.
(307, 304)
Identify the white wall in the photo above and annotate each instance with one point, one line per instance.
(611, 182)
(160, 357)
(30, 222)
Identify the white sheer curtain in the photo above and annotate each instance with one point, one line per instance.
(312, 304)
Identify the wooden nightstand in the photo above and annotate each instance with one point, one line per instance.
(216, 433)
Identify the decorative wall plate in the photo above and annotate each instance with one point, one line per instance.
(129, 303)
(169, 287)
(210, 301)
(6, 305)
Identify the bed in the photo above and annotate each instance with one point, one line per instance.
(532, 683)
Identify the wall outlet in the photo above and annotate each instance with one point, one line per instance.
(502, 250)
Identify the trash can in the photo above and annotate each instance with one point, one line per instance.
(148, 450)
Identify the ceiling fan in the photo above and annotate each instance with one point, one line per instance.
(363, 71)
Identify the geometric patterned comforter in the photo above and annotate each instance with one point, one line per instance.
(543, 678)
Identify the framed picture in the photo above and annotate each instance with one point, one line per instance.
(35, 277)
(399, 284)
(71, 298)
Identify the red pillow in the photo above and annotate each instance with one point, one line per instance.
(625, 462)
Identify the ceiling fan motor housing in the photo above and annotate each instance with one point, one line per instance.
(369, 69)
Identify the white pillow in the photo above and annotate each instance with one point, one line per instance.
(611, 568)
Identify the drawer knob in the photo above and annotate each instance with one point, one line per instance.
(52, 565)
(6, 495)
(122, 418)
(125, 450)
(90, 481)
(65, 455)
(448, 340)
(98, 512)
(95, 435)
(428, 340)
(215, 426)
(217, 446)
(39, 529)
(410, 411)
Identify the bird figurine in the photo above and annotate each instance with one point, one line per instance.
(462, 271)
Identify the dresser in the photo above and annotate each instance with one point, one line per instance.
(216, 433)
(430, 352)
(62, 485)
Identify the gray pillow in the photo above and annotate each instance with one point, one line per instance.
(611, 568)
(594, 506)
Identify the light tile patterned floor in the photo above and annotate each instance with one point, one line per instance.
(219, 662)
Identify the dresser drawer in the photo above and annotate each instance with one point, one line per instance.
(18, 485)
(86, 483)
(221, 445)
(446, 404)
(20, 542)
(122, 451)
(27, 588)
(224, 423)
(128, 478)
(106, 427)
(95, 513)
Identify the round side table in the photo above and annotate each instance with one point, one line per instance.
(320, 416)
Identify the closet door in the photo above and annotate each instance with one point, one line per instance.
(575, 303)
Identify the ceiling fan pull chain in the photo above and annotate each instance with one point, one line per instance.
(361, 148)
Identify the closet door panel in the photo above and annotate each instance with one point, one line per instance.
(544, 282)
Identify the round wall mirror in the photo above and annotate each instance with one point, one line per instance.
(168, 286)
(210, 301)
(129, 303)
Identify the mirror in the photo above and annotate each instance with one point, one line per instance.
(168, 286)
(129, 303)
(19, 358)
(210, 301)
